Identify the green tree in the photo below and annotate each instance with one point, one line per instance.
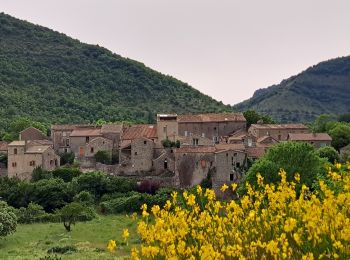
(8, 219)
(293, 157)
(253, 117)
(329, 153)
(323, 123)
(70, 214)
(340, 135)
(103, 157)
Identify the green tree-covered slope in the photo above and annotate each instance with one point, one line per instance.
(52, 78)
(321, 89)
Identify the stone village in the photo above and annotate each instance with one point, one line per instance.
(178, 151)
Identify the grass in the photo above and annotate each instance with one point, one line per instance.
(32, 241)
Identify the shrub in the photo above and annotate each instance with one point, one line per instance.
(66, 174)
(67, 158)
(39, 174)
(294, 157)
(84, 198)
(62, 249)
(148, 186)
(8, 219)
(270, 222)
(329, 153)
(103, 157)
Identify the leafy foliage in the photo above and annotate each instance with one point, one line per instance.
(329, 153)
(254, 117)
(293, 157)
(8, 219)
(103, 157)
(50, 78)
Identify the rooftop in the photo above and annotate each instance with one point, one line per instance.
(230, 147)
(17, 143)
(255, 152)
(111, 128)
(279, 126)
(37, 149)
(213, 117)
(310, 137)
(138, 131)
(81, 132)
(196, 149)
(67, 127)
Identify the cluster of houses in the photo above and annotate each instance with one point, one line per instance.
(179, 150)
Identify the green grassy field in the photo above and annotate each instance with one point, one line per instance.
(90, 238)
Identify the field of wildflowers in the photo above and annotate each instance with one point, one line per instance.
(270, 222)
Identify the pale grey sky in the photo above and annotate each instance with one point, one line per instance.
(225, 48)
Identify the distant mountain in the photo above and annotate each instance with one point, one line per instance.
(321, 89)
(52, 78)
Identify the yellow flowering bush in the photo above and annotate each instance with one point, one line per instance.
(270, 222)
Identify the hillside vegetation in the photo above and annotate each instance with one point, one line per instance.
(321, 89)
(52, 78)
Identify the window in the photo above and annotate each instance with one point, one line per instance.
(211, 164)
(238, 164)
(32, 163)
(87, 139)
(235, 154)
(135, 153)
(67, 142)
(92, 150)
(65, 150)
(231, 176)
(15, 151)
(171, 151)
(144, 142)
(14, 164)
(51, 162)
(232, 162)
(195, 141)
(165, 164)
(214, 128)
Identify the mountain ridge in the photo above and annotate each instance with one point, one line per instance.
(323, 88)
(52, 78)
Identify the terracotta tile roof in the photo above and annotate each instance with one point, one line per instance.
(256, 152)
(138, 131)
(310, 137)
(125, 143)
(279, 126)
(230, 147)
(3, 146)
(37, 149)
(265, 138)
(40, 142)
(17, 143)
(111, 128)
(239, 133)
(219, 117)
(86, 131)
(67, 127)
(196, 149)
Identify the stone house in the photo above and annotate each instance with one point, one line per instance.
(194, 140)
(80, 137)
(32, 133)
(3, 147)
(279, 132)
(212, 126)
(94, 146)
(222, 163)
(193, 164)
(60, 135)
(23, 159)
(316, 139)
(167, 127)
(165, 162)
(229, 168)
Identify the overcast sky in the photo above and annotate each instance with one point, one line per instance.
(225, 48)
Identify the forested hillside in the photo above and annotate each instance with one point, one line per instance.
(52, 78)
(321, 89)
